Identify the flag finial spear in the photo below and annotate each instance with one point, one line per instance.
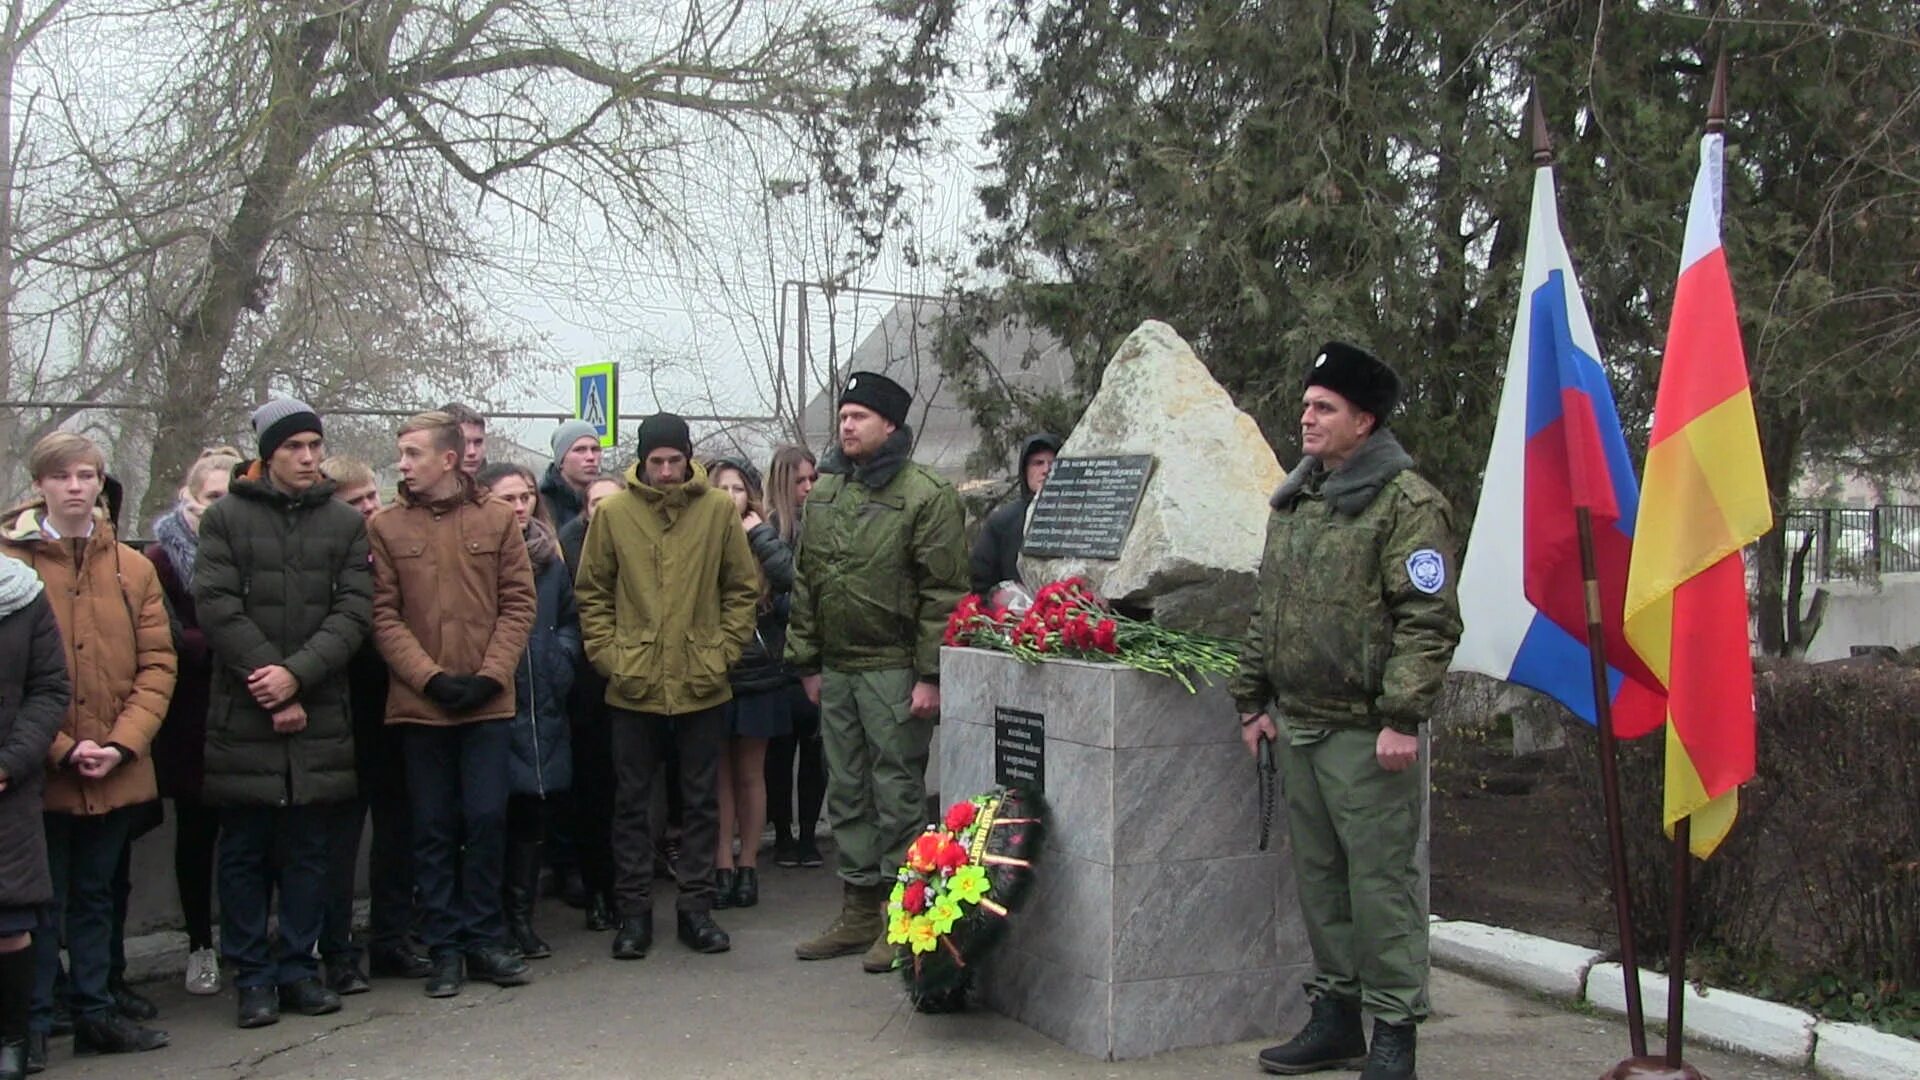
(1717, 105)
(1537, 123)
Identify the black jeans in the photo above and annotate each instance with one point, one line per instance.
(83, 852)
(638, 747)
(264, 850)
(803, 747)
(457, 784)
(389, 873)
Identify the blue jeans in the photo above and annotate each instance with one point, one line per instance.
(263, 849)
(457, 781)
(83, 852)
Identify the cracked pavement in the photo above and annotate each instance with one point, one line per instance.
(756, 1010)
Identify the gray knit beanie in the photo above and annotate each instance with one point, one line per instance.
(570, 432)
(281, 419)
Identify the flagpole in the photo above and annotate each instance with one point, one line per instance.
(1682, 853)
(1602, 702)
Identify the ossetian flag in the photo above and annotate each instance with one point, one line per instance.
(1706, 499)
(1557, 446)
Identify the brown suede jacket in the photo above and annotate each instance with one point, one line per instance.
(452, 594)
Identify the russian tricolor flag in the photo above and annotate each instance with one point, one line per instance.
(1557, 446)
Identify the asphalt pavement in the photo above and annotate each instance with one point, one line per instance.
(756, 1011)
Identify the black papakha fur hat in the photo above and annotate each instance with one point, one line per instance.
(1357, 375)
(875, 391)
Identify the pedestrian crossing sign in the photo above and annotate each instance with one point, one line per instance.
(596, 399)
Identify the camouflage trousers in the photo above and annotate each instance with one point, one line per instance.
(1354, 828)
(876, 770)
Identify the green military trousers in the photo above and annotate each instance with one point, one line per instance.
(876, 769)
(1354, 827)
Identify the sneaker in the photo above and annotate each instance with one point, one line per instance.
(203, 972)
(810, 852)
(786, 851)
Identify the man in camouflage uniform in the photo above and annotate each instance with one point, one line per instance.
(882, 562)
(1355, 622)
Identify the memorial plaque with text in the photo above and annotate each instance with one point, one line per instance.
(1019, 749)
(1087, 506)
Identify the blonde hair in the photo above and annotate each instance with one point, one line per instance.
(348, 473)
(64, 450)
(446, 432)
(782, 510)
(214, 459)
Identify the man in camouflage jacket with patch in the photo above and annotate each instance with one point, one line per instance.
(882, 562)
(1349, 642)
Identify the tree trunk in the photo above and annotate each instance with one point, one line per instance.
(193, 376)
(1780, 426)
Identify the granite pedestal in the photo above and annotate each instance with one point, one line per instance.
(1154, 922)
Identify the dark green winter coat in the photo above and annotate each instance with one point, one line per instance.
(882, 562)
(281, 579)
(1356, 617)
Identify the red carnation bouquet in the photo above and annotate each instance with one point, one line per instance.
(1067, 621)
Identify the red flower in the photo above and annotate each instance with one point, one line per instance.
(968, 607)
(920, 855)
(999, 613)
(1106, 636)
(951, 857)
(1042, 643)
(915, 898)
(960, 815)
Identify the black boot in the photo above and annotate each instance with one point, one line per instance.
(600, 912)
(746, 887)
(398, 962)
(113, 1034)
(36, 1052)
(634, 937)
(1332, 1039)
(1391, 1057)
(522, 885)
(16, 992)
(257, 1006)
(497, 964)
(131, 1003)
(700, 933)
(723, 888)
(445, 978)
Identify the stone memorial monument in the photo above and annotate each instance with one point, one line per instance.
(1155, 922)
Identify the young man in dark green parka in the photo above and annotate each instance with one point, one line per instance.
(883, 561)
(284, 597)
(1354, 625)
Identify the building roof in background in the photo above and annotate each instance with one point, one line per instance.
(903, 348)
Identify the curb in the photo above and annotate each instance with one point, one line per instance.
(1720, 1018)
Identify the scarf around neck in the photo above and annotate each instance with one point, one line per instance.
(180, 542)
(18, 585)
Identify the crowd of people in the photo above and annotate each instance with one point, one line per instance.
(487, 677)
(498, 671)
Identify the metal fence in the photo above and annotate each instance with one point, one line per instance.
(1852, 543)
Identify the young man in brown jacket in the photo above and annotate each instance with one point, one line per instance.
(453, 603)
(108, 603)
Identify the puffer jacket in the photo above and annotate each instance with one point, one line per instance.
(542, 756)
(882, 562)
(453, 595)
(996, 551)
(1356, 618)
(563, 503)
(761, 666)
(34, 695)
(667, 591)
(119, 641)
(281, 579)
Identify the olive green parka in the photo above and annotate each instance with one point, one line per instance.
(882, 562)
(1356, 617)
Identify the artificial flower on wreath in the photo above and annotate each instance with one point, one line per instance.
(960, 882)
(1065, 620)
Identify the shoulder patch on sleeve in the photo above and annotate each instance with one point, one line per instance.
(1427, 569)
